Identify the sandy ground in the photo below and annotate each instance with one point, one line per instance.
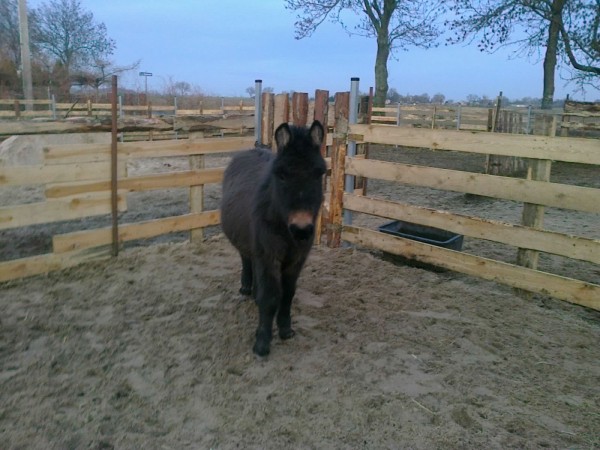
(153, 349)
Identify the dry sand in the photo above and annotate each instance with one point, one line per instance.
(153, 349)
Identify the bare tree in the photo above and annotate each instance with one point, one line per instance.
(10, 55)
(99, 73)
(567, 30)
(9, 31)
(395, 24)
(69, 36)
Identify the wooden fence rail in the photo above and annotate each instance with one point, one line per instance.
(518, 120)
(527, 191)
(52, 109)
(76, 184)
(76, 180)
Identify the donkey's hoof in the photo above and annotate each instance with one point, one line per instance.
(261, 348)
(245, 291)
(286, 333)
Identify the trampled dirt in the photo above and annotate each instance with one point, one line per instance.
(153, 349)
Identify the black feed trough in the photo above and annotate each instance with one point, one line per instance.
(421, 233)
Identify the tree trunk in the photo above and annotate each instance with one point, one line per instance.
(550, 57)
(381, 71)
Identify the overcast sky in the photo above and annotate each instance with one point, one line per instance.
(222, 46)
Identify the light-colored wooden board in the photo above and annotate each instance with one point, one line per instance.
(547, 241)
(25, 102)
(140, 183)
(521, 190)
(41, 264)
(127, 232)
(68, 208)
(78, 153)
(568, 289)
(197, 197)
(43, 174)
(578, 150)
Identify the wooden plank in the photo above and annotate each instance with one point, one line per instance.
(386, 109)
(141, 183)
(300, 109)
(533, 215)
(25, 102)
(320, 113)
(197, 198)
(80, 240)
(520, 190)
(583, 249)
(578, 150)
(78, 153)
(568, 289)
(67, 208)
(339, 151)
(386, 119)
(42, 174)
(267, 124)
(42, 264)
(282, 109)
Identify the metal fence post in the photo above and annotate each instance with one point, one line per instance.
(258, 111)
(352, 119)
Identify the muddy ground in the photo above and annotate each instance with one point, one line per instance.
(153, 349)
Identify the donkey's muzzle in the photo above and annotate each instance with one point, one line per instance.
(301, 225)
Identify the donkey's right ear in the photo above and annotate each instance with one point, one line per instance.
(317, 133)
(283, 135)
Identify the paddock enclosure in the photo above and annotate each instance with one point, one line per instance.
(152, 348)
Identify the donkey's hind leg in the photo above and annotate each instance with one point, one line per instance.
(246, 288)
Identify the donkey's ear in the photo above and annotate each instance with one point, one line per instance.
(317, 133)
(283, 135)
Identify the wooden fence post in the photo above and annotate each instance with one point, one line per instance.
(299, 109)
(17, 109)
(533, 215)
(196, 192)
(114, 182)
(89, 108)
(321, 111)
(338, 172)
(281, 112)
(490, 120)
(268, 129)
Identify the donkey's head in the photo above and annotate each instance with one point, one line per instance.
(297, 177)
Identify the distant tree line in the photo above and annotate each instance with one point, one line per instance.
(68, 48)
(394, 97)
(565, 32)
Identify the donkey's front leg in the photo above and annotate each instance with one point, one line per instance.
(268, 298)
(284, 320)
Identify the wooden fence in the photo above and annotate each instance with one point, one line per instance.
(535, 192)
(18, 109)
(576, 118)
(77, 185)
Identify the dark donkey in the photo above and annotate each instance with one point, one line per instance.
(268, 212)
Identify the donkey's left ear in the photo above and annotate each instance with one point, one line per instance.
(283, 136)
(317, 133)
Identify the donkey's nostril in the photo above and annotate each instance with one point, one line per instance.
(302, 233)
